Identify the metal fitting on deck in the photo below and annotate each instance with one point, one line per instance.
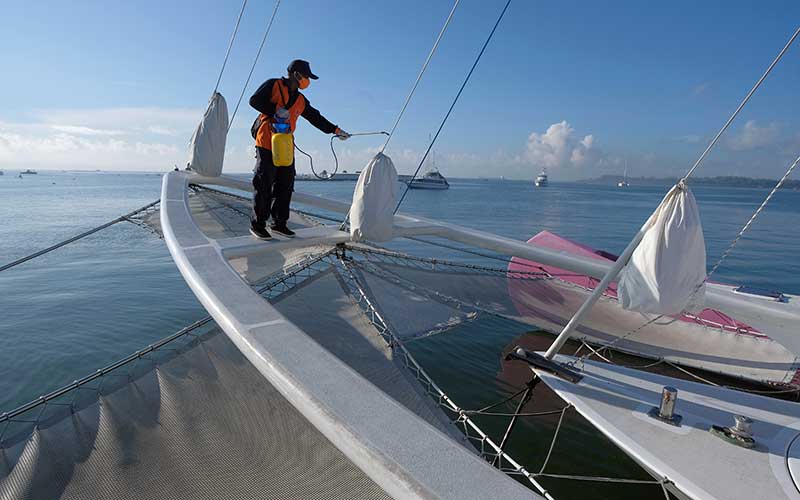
(666, 409)
(740, 434)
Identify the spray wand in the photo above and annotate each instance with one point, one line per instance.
(333, 152)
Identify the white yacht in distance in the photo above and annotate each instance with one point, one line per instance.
(541, 179)
(431, 180)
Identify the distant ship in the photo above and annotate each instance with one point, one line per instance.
(28, 172)
(431, 180)
(624, 182)
(541, 179)
(1, 172)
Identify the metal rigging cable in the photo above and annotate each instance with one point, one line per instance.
(255, 61)
(741, 105)
(421, 72)
(453, 105)
(753, 218)
(77, 237)
(230, 46)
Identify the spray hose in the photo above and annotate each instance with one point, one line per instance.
(333, 152)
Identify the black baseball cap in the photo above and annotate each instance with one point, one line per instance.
(302, 67)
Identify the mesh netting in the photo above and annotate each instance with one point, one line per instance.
(204, 424)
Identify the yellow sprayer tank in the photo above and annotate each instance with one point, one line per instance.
(282, 149)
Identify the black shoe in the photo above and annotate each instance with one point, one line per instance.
(283, 229)
(260, 233)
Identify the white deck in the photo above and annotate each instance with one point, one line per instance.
(403, 454)
(703, 466)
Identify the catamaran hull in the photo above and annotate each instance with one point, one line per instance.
(711, 341)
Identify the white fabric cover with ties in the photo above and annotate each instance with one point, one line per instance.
(374, 199)
(667, 271)
(207, 147)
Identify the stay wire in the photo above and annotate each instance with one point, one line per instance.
(78, 236)
(419, 76)
(741, 105)
(453, 105)
(255, 61)
(752, 219)
(230, 46)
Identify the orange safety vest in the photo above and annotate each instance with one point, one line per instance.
(280, 97)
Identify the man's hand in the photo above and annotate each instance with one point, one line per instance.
(341, 134)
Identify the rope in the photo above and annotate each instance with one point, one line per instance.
(741, 105)
(230, 46)
(77, 237)
(555, 436)
(253, 67)
(495, 405)
(473, 252)
(694, 376)
(458, 95)
(535, 414)
(421, 72)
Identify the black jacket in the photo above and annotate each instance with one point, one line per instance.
(261, 101)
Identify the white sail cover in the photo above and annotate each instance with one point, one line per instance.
(667, 271)
(207, 147)
(374, 199)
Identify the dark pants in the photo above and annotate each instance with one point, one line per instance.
(272, 192)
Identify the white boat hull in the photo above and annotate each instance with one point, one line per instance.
(701, 465)
(425, 185)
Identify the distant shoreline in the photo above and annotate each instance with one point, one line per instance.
(605, 180)
(726, 181)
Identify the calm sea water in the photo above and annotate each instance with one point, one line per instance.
(83, 306)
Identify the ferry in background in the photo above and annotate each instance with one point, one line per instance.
(28, 172)
(541, 179)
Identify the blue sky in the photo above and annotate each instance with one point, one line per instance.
(577, 87)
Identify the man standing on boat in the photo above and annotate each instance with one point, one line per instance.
(280, 99)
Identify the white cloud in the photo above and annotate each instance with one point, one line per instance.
(81, 130)
(559, 147)
(158, 130)
(753, 136)
(112, 138)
